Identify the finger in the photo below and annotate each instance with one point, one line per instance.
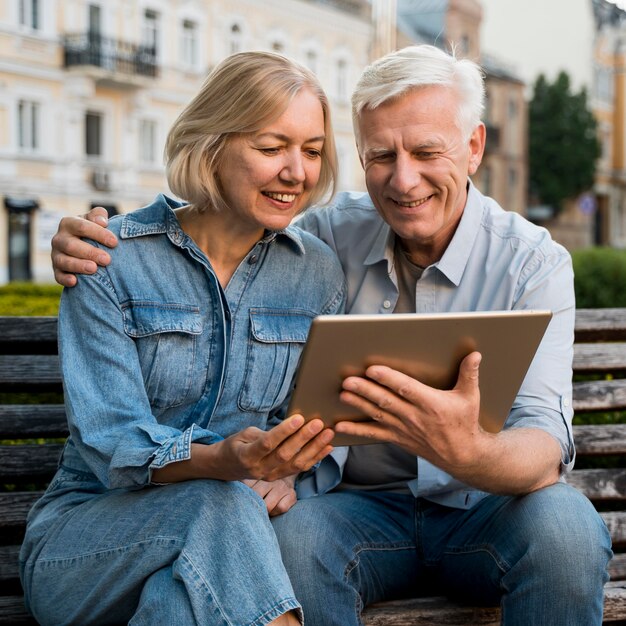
(265, 443)
(306, 441)
(65, 264)
(66, 280)
(373, 399)
(369, 430)
(283, 504)
(70, 227)
(313, 452)
(468, 380)
(402, 385)
(99, 215)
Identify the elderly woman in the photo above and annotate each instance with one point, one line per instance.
(178, 360)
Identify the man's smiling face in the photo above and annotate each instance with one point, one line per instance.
(416, 163)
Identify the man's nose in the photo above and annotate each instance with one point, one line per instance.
(405, 174)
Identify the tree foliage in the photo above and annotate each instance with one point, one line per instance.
(563, 144)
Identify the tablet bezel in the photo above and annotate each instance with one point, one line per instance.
(429, 347)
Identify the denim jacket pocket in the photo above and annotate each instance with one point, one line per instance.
(277, 337)
(165, 335)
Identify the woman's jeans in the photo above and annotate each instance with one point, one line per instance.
(541, 557)
(200, 552)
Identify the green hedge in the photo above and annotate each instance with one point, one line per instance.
(600, 282)
(600, 278)
(29, 299)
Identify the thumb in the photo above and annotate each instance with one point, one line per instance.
(469, 373)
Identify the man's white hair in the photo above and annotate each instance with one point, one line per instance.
(413, 67)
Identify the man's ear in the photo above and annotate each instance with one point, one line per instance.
(476, 148)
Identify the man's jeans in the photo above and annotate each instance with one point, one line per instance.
(541, 557)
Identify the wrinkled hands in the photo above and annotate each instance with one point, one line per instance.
(279, 495)
(285, 450)
(70, 255)
(440, 426)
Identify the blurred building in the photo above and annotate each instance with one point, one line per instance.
(605, 209)
(455, 24)
(89, 88)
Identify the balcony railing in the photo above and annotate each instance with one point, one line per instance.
(113, 55)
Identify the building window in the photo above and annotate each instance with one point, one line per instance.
(150, 31)
(341, 82)
(28, 125)
(189, 44)
(311, 60)
(30, 14)
(511, 190)
(148, 141)
(486, 181)
(235, 39)
(93, 134)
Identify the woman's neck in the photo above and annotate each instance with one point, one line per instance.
(224, 243)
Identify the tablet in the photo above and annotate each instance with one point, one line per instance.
(428, 347)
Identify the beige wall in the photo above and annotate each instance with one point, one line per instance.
(59, 175)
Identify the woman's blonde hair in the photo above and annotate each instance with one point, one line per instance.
(243, 94)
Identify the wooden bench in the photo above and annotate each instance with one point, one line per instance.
(31, 438)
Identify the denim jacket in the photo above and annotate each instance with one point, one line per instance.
(156, 355)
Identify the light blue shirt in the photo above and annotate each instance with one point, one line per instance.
(496, 260)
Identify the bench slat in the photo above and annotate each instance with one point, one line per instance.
(12, 611)
(600, 325)
(599, 357)
(32, 421)
(434, 611)
(26, 330)
(28, 461)
(597, 439)
(18, 370)
(600, 484)
(14, 506)
(600, 395)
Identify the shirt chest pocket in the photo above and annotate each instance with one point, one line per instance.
(277, 337)
(166, 337)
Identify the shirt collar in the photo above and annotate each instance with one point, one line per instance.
(158, 218)
(452, 263)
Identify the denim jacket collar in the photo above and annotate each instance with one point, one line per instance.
(158, 218)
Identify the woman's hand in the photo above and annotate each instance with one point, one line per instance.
(254, 454)
(289, 448)
(71, 256)
(279, 495)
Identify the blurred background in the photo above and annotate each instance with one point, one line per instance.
(89, 88)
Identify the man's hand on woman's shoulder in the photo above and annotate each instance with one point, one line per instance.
(71, 256)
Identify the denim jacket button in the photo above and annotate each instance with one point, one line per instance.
(253, 259)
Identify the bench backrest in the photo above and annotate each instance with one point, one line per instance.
(31, 435)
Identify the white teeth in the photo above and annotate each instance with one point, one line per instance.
(281, 197)
(411, 205)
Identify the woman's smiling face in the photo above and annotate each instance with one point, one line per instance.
(267, 176)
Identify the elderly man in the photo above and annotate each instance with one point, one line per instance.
(441, 505)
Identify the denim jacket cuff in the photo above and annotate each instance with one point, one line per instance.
(177, 449)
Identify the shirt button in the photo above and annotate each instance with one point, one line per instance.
(387, 304)
(253, 259)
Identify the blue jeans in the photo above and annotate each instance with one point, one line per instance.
(201, 552)
(541, 557)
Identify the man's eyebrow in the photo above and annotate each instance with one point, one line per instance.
(287, 139)
(374, 152)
